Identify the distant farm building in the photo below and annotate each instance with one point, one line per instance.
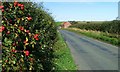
(65, 24)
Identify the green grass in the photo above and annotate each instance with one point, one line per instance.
(63, 60)
(109, 38)
(58, 23)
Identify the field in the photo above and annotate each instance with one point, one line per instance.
(58, 23)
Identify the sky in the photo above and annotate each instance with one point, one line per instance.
(82, 10)
(76, 0)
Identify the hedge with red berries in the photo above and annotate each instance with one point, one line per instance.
(28, 36)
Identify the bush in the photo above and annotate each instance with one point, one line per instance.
(108, 26)
(28, 36)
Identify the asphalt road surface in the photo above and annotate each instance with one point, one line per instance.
(91, 54)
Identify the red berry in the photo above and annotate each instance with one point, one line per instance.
(13, 50)
(1, 7)
(27, 53)
(21, 28)
(15, 3)
(27, 31)
(29, 18)
(8, 32)
(37, 38)
(0, 30)
(22, 5)
(3, 28)
(36, 35)
(22, 8)
(2, 10)
(19, 5)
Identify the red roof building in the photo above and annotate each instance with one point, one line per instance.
(66, 24)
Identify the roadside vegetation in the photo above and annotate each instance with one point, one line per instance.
(103, 26)
(63, 59)
(28, 36)
(106, 37)
(107, 31)
(30, 40)
(58, 23)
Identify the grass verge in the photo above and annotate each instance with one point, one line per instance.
(63, 59)
(106, 37)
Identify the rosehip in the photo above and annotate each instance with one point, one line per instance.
(22, 5)
(37, 38)
(2, 10)
(8, 32)
(22, 8)
(27, 31)
(1, 7)
(21, 28)
(19, 5)
(13, 50)
(27, 53)
(0, 30)
(36, 35)
(3, 28)
(29, 18)
(15, 3)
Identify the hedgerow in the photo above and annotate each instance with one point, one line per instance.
(107, 26)
(28, 36)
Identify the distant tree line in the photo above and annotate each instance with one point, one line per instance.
(107, 26)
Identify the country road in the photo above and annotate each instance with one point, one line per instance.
(91, 54)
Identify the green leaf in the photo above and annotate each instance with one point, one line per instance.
(14, 62)
(18, 21)
(7, 41)
(26, 38)
(32, 45)
(19, 31)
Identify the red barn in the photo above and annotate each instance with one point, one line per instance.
(66, 24)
